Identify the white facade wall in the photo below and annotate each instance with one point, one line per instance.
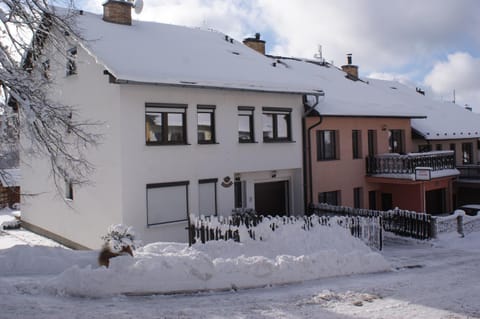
(95, 207)
(145, 164)
(125, 164)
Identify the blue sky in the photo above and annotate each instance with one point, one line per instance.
(429, 43)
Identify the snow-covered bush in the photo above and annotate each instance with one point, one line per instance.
(119, 240)
(119, 237)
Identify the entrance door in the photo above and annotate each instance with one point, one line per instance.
(435, 201)
(387, 201)
(271, 198)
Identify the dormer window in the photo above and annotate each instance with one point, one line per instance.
(71, 61)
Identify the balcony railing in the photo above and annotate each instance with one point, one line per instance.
(469, 171)
(406, 164)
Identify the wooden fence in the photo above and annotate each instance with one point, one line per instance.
(240, 225)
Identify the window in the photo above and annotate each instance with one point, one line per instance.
(357, 197)
(207, 196)
(165, 124)
(276, 124)
(331, 198)
(68, 190)
(71, 61)
(357, 144)
(167, 203)
(467, 153)
(327, 145)
(424, 148)
(245, 124)
(372, 142)
(396, 141)
(206, 124)
(438, 147)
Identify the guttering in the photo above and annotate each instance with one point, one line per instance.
(307, 161)
(191, 84)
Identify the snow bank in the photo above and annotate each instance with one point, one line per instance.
(288, 255)
(8, 218)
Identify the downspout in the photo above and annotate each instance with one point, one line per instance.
(307, 161)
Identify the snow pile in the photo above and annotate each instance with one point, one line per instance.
(289, 255)
(9, 218)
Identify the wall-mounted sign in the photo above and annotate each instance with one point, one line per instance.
(423, 173)
(227, 182)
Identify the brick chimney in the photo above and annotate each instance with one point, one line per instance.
(350, 69)
(118, 11)
(255, 43)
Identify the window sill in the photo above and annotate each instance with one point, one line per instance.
(247, 142)
(208, 143)
(165, 144)
(328, 160)
(278, 141)
(181, 221)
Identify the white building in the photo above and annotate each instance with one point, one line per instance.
(194, 123)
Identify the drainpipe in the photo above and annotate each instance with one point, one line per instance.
(307, 173)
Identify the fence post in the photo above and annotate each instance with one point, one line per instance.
(433, 227)
(460, 225)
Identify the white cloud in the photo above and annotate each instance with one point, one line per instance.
(461, 72)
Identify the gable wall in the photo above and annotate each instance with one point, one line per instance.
(96, 206)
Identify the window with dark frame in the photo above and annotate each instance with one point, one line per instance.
(245, 124)
(207, 196)
(72, 61)
(165, 124)
(167, 203)
(357, 197)
(396, 141)
(327, 145)
(68, 190)
(239, 190)
(276, 124)
(424, 148)
(372, 142)
(438, 147)
(467, 153)
(331, 198)
(357, 144)
(206, 124)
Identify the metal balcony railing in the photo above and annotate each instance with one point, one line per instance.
(469, 171)
(406, 163)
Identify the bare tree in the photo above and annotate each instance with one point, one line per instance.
(48, 128)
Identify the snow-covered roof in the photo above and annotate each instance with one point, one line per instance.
(445, 120)
(434, 120)
(10, 177)
(151, 52)
(344, 97)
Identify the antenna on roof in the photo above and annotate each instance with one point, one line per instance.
(319, 55)
(138, 5)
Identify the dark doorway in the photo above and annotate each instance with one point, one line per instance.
(387, 201)
(372, 200)
(435, 201)
(271, 198)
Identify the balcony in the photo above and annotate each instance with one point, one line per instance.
(397, 165)
(469, 171)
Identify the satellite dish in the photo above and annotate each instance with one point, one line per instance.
(138, 5)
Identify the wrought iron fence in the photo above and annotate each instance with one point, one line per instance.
(406, 164)
(239, 225)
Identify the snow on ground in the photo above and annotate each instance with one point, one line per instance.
(434, 279)
(289, 255)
